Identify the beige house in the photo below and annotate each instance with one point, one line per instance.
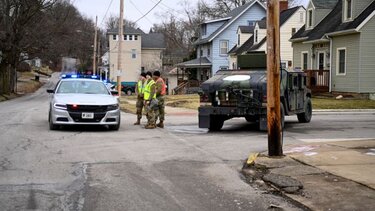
(252, 39)
(141, 52)
(337, 45)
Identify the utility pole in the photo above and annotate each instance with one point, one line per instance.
(121, 35)
(273, 79)
(95, 45)
(99, 58)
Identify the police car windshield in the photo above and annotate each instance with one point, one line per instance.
(82, 87)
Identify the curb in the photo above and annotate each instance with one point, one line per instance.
(345, 110)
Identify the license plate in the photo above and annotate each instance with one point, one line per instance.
(87, 115)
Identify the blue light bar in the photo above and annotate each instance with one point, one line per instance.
(74, 76)
(94, 76)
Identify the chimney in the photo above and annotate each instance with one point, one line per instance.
(283, 5)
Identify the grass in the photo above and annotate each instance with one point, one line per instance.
(128, 107)
(342, 104)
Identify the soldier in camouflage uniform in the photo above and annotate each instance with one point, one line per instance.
(149, 97)
(160, 92)
(139, 92)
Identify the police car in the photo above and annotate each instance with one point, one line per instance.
(83, 100)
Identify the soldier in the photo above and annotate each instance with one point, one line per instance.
(160, 92)
(139, 88)
(150, 97)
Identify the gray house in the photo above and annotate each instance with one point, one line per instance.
(217, 38)
(337, 45)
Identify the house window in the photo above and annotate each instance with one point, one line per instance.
(304, 60)
(294, 30)
(251, 23)
(256, 36)
(341, 61)
(310, 18)
(134, 53)
(224, 47)
(239, 39)
(204, 29)
(301, 16)
(125, 37)
(135, 37)
(348, 9)
(130, 37)
(209, 52)
(114, 37)
(201, 52)
(321, 60)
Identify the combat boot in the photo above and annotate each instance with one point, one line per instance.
(161, 124)
(150, 126)
(138, 122)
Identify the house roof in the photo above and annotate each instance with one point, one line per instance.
(244, 47)
(153, 40)
(234, 14)
(333, 23)
(198, 62)
(324, 4)
(249, 44)
(247, 29)
(284, 17)
(127, 30)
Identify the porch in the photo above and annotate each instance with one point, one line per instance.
(317, 80)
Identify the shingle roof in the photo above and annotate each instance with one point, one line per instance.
(325, 4)
(284, 16)
(202, 61)
(153, 40)
(246, 29)
(235, 13)
(127, 30)
(333, 23)
(249, 44)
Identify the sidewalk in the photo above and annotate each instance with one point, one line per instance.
(324, 176)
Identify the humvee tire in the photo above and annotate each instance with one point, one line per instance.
(305, 117)
(216, 123)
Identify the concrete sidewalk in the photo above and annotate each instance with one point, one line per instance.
(325, 176)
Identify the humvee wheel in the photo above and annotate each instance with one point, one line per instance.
(305, 117)
(216, 123)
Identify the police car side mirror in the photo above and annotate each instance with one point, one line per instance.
(50, 91)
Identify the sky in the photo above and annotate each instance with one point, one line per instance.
(133, 10)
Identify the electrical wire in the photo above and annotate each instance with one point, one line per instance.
(105, 15)
(140, 12)
(149, 11)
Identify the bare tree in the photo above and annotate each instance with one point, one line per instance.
(112, 22)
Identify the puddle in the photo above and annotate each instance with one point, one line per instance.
(299, 149)
(310, 153)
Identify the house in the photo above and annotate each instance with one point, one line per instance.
(217, 38)
(140, 52)
(337, 45)
(252, 39)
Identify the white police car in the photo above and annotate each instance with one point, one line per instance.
(82, 100)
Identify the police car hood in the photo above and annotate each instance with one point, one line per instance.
(235, 79)
(85, 99)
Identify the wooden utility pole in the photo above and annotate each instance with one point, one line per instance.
(95, 45)
(120, 37)
(273, 79)
(99, 57)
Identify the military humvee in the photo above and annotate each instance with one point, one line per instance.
(243, 93)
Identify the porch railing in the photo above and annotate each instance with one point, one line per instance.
(318, 80)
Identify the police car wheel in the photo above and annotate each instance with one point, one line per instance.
(50, 123)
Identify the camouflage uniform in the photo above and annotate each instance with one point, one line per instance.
(150, 112)
(161, 105)
(140, 103)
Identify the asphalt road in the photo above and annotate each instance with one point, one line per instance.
(177, 168)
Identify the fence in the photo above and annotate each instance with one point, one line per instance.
(318, 80)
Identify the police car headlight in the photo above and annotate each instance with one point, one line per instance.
(60, 106)
(112, 107)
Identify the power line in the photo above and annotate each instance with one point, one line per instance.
(109, 6)
(149, 11)
(168, 10)
(140, 12)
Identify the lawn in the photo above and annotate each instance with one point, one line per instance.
(192, 102)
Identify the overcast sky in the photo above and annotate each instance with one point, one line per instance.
(133, 10)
